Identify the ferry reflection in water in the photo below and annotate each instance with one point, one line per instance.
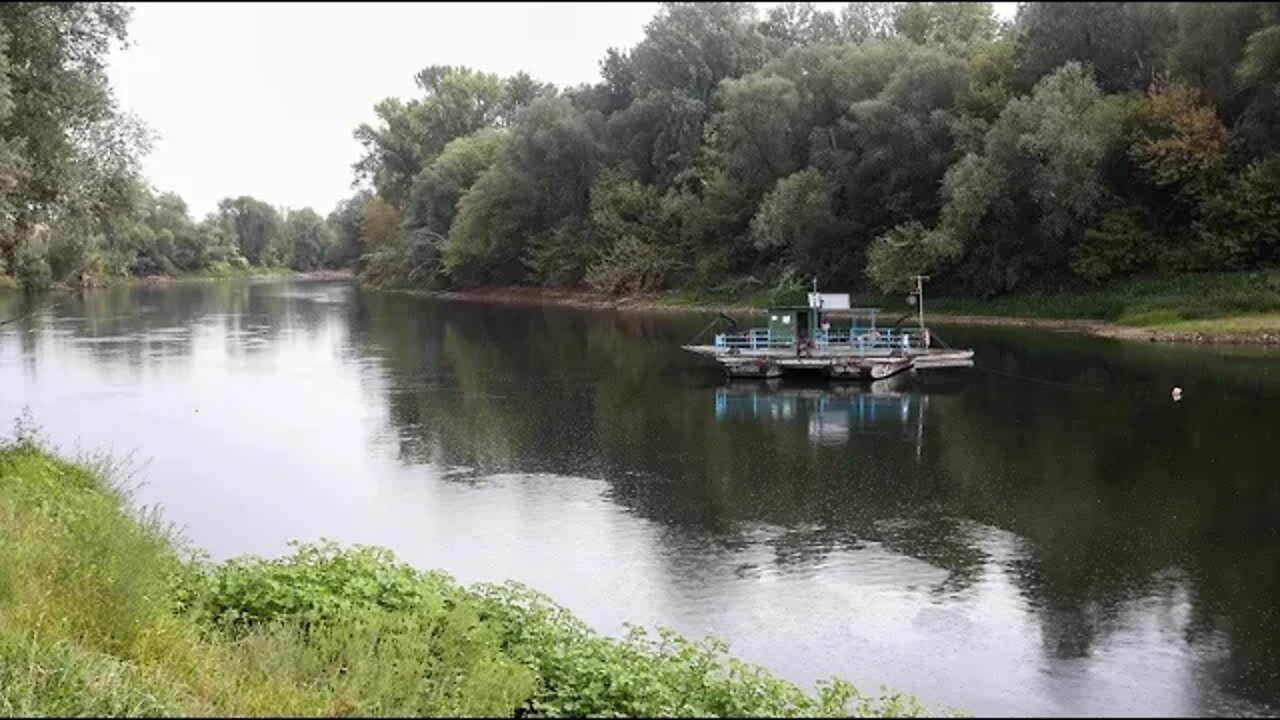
(832, 411)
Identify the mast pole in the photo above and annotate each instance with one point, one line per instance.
(920, 297)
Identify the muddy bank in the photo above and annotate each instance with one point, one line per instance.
(653, 303)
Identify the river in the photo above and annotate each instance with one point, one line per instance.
(1046, 534)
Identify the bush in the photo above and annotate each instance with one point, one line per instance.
(909, 250)
(101, 614)
(561, 256)
(632, 266)
(32, 270)
(1121, 242)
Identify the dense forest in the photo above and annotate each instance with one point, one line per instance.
(1081, 142)
(730, 149)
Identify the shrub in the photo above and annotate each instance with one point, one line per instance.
(632, 266)
(100, 613)
(908, 250)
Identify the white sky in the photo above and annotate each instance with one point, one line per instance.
(261, 98)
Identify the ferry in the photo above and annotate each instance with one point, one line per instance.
(829, 337)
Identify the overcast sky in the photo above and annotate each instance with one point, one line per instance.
(261, 98)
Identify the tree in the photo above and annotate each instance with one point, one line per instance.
(760, 134)
(456, 102)
(1124, 43)
(393, 155)
(957, 24)
(991, 76)
(1019, 206)
(347, 222)
(796, 221)
(1182, 144)
(69, 155)
(255, 225)
(860, 21)
(691, 46)
(380, 229)
(796, 24)
(618, 73)
(1081, 142)
(542, 174)
(907, 250)
(660, 134)
(438, 188)
(308, 238)
(1239, 226)
(1208, 42)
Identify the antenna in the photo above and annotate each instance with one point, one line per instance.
(920, 297)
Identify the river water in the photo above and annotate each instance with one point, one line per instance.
(1046, 534)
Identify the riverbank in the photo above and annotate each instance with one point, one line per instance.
(251, 274)
(1225, 308)
(105, 612)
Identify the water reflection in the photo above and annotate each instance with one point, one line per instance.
(830, 411)
(1046, 535)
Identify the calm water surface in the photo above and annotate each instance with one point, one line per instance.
(1074, 543)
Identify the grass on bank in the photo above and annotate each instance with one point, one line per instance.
(1236, 301)
(102, 612)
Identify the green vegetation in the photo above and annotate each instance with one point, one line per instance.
(1091, 156)
(1140, 301)
(103, 612)
(1204, 302)
(1034, 165)
(74, 209)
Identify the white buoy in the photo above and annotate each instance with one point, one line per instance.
(1177, 393)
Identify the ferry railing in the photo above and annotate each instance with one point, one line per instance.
(863, 341)
(869, 340)
(756, 339)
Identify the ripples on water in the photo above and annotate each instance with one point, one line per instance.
(1075, 546)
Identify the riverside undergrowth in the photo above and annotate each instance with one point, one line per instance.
(105, 611)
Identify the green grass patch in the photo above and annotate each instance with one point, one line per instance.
(1151, 301)
(104, 612)
(1238, 324)
(1141, 301)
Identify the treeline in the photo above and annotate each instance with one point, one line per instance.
(74, 209)
(730, 149)
(727, 151)
(155, 235)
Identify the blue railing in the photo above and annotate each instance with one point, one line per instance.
(861, 340)
(758, 339)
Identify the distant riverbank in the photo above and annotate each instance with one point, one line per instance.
(1244, 328)
(254, 273)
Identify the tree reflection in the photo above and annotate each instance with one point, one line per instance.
(1111, 485)
(503, 389)
(1115, 486)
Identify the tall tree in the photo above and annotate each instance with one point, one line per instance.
(70, 156)
(1124, 43)
(308, 239)
(543, 173)
(456, 101)
(255, 225)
